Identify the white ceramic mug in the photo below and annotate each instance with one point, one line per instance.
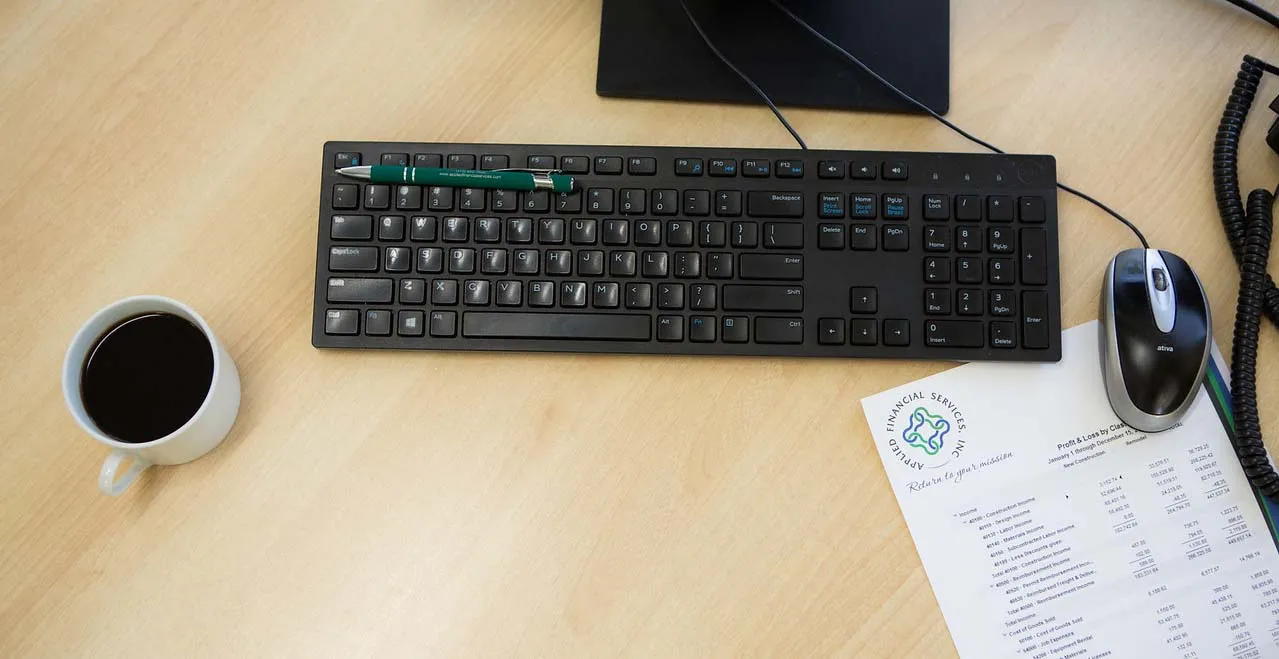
(199, 435)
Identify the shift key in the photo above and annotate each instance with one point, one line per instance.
(784, 267)
(357, 289)
(763, 298)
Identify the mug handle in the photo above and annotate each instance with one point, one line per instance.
(107, 481)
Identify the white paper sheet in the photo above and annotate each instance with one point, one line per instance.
(1051, 530)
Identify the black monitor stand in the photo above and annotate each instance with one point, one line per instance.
(648, 49)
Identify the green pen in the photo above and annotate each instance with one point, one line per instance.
(498, 179)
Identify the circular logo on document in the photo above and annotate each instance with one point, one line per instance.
(926, 430)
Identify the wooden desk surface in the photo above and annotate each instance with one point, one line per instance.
(494, 505)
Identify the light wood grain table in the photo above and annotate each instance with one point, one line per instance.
(405, 504)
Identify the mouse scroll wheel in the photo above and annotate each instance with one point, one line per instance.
(1160, 278)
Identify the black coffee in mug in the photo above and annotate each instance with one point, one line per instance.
(146, 377)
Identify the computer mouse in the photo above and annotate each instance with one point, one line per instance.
(1156, 329)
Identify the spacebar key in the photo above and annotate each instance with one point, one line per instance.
(604, 327)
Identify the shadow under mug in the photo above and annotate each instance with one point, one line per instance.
(199, 435)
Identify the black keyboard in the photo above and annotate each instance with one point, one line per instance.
(695, 251)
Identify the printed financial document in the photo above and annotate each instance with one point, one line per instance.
(1049, 529)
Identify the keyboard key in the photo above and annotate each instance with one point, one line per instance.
(830, 206)
(670, 296)
(430, 260)
(605, 295)
(665, 202)
(444, 292)
(701, 297)
(583, 232)
(701, 329)
(519, 230)
(488, 230)
(896, 207)
(1031, 210)
(697, 202)
(390, 227)
(353, 259)
(346, 196)
(937, 270)
(779, 330)
(861, 171)
(504, 201)
(896, 238)
(377, 322)
(610, 165)
(783, 235)
(655, 264)
(679, 233)
(937, 302)
(760, 203)
(830, 331)
(621, 264)
(351, 227)
(830, 169)
(493, 262)
(722, 167)
(728, 203)
(735, 329)
(434, 160)
(408, 198)
(895, 171)
(755, 168)
(1003, 334)
(575, 164)
(864, 332)
(395, 159)
(969, 302)
(489, 162)
(1034, 319)
(968, 208)
(1001, 303)
(712, 234)
(968, 270)
(456, 229)
(444, 324)
(744, 297)
(790, 168)
(341, 322)
(830, 236)
(719, 265)
(359, 290)
(412, 323)
(568, 202)
(599, 200)
(573, 294)
(617, 232)
(936, 207)
(461, 161)
(527, 262)
(863, 299)
(632, 201)
(541, 293)
(397, 259)
(999, 208)
(967, 239)
(745, 234)
(346, 159)
(1034, 257)
(423, 229)
(462, 260)
(559, 262)
(439, 198)
(509, 293)
(784, 267)
(688, 265)
(896, 332)
(688, 166)
(475, 293)
(861, 237)
(954, 334)
(541, 162)
(641, 166)
(936, 239)
(537, 201)
(863, 206)
(1001, 271)
(471, 199)
(999, 240)
(670, 328)
(639, 296)
(550, 231)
